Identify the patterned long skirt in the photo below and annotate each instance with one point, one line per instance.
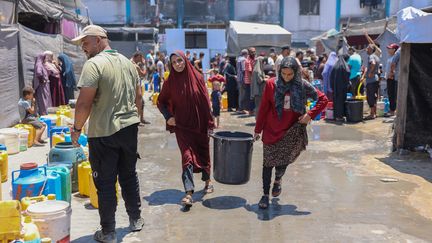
(288, 149)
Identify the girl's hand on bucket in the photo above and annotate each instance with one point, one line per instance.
(305, 119)
(257, 136)
(171, 122)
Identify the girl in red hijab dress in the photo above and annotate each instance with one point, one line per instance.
(185, 104)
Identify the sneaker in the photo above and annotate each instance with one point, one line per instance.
(111, 237)
(136, 224)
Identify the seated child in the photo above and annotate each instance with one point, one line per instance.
(28, 114)
(216, 99)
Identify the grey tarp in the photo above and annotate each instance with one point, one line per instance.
(7, 12)
(9, 80)
(76, 54)
(33, 43)
(41, 7)
(243, 35)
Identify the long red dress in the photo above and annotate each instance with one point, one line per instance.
(184, 96)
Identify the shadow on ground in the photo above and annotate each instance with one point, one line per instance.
(275, 210)
(416, 163)
(121, 233)
(173, 197)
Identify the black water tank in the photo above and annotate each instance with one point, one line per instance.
(354, 110)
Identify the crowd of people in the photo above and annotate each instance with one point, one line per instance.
(274, 87)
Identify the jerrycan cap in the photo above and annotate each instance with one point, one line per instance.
(28, 166)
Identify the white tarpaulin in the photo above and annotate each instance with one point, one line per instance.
(244, 34)
(9, 79)
(414, 26)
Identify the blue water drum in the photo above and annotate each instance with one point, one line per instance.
(67, 154)
(3, 147)
(54, 184)
(47, 122)
(30, 182)
(66, 183)
(318, 117)
(386, 105)
(62, 129)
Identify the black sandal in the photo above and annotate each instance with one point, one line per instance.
(264, 202)
(277, 189)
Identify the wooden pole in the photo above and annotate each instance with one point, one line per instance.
(402, 92)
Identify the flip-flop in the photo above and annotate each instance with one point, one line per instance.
(369, 118)
(264, 202)
(277, 189)
(187, 201)
(209, 189)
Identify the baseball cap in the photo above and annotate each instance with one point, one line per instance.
(393, 46)
(285, 47)
(90, 30)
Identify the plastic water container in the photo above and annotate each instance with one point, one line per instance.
(386, 105)
(84, 170)
(66, 153)
(55, 130)
(53, 219)
(11, 137)
(31, 130)
(380, 108)
(2, 147)
(3, 166)
(224, 102)
(10, 220)
(66, 182)
(52, 118)
(47, 121)
(58, 137)
(29, 183)
(30, 231)
(53, 184)
(94, 201)
(23, 139)
(155, 98)
(329, 114)
(82, 140)
(2, 141)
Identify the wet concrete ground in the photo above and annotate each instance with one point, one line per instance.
(333, 193)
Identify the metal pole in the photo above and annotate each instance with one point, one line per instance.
(387, 8)
(281, 12)
(128, 12)
(180, 13)
(338, 14)
(231, 6)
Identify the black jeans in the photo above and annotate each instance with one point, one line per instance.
(392, 87)
(267, 176)
(187, 178)
(113, 156)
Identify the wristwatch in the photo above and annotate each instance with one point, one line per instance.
(74, 129)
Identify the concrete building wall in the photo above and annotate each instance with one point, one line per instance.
(106, 11)
(305, 27)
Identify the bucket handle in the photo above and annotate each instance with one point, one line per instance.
(232, 139)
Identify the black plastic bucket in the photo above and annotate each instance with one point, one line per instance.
(232, 157)
(354, 110)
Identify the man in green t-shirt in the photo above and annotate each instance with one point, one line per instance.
(110, 98)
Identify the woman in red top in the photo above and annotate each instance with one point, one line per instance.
(185, 104)
(282, 119)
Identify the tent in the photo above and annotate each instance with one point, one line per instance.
(413, 126)
(30, 28)
(244, 34)
(127, 40)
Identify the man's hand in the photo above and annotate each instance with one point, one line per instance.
(74, 136)
(171, 122)
(257, 136)
(305, 119)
